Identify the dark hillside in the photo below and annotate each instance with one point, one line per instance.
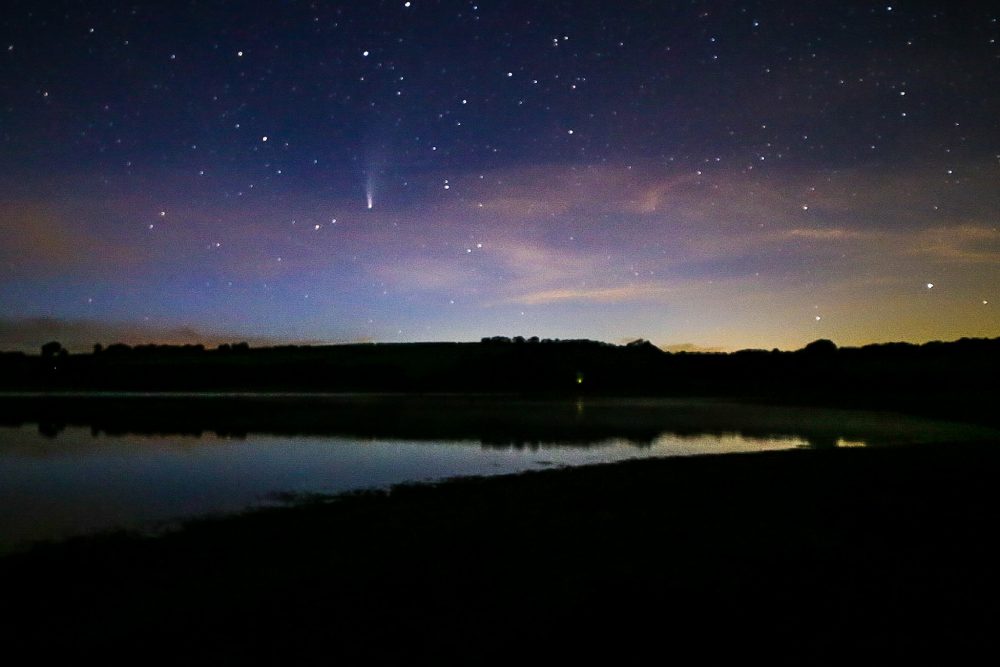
(955, 380)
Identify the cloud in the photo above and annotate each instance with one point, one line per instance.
(962, 244)
(597, 295)
(45, 239)
(524, 207)
(29, 334)
(823, 234)
(560, 239)
(536, 274)
(35, 234)
(426, 274)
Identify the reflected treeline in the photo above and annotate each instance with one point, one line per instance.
(495, 422)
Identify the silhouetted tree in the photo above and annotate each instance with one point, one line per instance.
(51, 349)
(497, 339)
(821, 346)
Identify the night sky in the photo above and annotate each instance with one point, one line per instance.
(709, 175)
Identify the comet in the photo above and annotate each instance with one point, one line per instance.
(370, 191)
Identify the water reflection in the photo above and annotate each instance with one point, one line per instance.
(495, 423)
(74, 464)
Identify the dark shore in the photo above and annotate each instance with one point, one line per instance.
(873, 555)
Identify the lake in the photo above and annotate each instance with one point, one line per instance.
(76, 464)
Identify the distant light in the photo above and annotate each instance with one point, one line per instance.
(930, 285)
(818, 318)
(239, 54)
(364, 53)
(264, 138)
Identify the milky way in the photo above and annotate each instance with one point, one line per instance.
(700, 174)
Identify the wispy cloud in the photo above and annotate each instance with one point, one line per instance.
(597, 295)
(41, 239)
(962, 244)
(424, 273)
(823, 234)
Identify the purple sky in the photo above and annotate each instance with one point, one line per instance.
(708, 174)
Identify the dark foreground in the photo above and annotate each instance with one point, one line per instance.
(804, 556)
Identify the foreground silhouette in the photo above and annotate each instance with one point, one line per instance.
(955, 379)
(802, 557)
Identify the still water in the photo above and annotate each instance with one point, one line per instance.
(76, 465)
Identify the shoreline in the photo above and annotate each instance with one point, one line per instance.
(883, 549)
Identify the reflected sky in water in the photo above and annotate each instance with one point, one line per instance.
(82, 480)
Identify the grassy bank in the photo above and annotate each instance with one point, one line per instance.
(802, 555)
